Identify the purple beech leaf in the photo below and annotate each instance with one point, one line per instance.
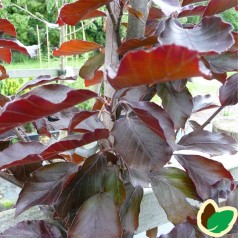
(97, 217)
(73, 141)
(89, 68)
(79, 117)
(130, 209)
(155, 13)
(179, 85)
(75, 47)
(204, 172)
(133, 44)
(212, 143)
(222, 189)
(155, 118)
(31, 152)
(43, 101)
(44, 186)
(5, 55)
(160, 64)
(168, 6)
(228, 93)
(195, 125)
(192, 10)
(7, 27)
(64, 117)
(3, 72)
(23, 172)
(215, 7)
(94, 177)
(186, 2)
(42, 80)
(14, 44)
(36, 229)
(72, 13)
(177, 104)
(41, 127)
(138, 146)
(21, 153)
(222, 63)
(97, 78)
(203, 102)
(183, 230)
(138, 178)
(171, 187)
(210, 35)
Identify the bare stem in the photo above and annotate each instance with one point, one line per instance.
(19, 135)
(208, 121)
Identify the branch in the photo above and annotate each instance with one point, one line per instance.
(208, 121)
(19, 135)
(116, 23)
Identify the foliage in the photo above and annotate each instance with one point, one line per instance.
(98, 193)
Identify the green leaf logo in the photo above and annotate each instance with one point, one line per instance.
(215, 221)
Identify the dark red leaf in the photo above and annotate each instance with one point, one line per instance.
(64, 117)
(177, 104)
(4, 144)
(73, 141)
(87, 71)
(41, 127)
(203, 102)
(79, 117)
(134, 12)
(162, 64)
(215, 7)
(5, 55)
(212, 143)
(186, 2)
(97, 105)
(97, 217)
(23, 172)
(44, 186)
(192, 10)
(72, 13)
(7, 27)
(210, 35)
(16, 45)
(72, 20)
(151, 27)
(155, 118)
(43, 101)
(42, 80)
(168, 6)
(172, 187)
(36, 229)
(222, 63)
(183, 230)
(130, 209)
(92, 178)
(73, 157)
(74, 47)
(136, 43)
(228, 93)
(204, 172)
(155, 13)
(3, 73)
(139, 147)
(98, 78)
(179, 85)
(3, 99)
(235, 46)
(21, 153)
(222, 189)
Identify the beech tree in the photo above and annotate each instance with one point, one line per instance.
(99, 194)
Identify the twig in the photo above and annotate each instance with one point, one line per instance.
(116, 24)
(19, 135)
(208, 121)
(11, 179)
